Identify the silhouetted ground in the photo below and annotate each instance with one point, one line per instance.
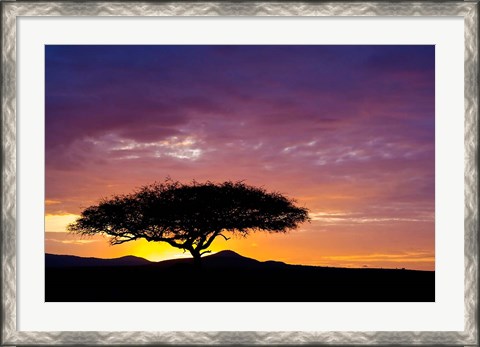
(227, 276)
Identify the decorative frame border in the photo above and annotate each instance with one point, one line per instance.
(10, 10)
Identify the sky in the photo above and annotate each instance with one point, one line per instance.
(346, 131)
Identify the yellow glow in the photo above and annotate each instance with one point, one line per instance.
(156, 251)
(58, 222)
(279, 248)
(409, 257)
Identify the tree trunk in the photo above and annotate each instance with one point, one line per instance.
(197, 261)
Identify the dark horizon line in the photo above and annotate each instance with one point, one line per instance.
(240, 256)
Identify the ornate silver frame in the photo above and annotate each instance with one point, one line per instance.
(11, 10)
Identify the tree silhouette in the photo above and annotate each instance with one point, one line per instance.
(189, 216)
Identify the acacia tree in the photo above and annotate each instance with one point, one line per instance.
(189, 216)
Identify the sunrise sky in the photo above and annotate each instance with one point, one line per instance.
(347, 131)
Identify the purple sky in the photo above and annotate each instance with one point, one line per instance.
(346, 130)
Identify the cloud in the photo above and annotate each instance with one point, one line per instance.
(70, 242)
(326, 218)
(407, 257)
(58, 222)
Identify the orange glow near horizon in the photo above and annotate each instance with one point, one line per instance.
(334, 249)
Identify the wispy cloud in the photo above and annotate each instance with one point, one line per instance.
(52, 202)
(58, 222)
(71, 242)
(354, 218)
(403, 257)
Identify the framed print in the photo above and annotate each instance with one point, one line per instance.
(240, 173)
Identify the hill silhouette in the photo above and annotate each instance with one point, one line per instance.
(55, 260)
(220, 259)
(226, 276)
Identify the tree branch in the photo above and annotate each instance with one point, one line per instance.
(226, 238)
(170, 241)
(209, 241)
(119, 242)
(173, 243)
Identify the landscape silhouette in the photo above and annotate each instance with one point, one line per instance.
(190, 217)
(227, 277)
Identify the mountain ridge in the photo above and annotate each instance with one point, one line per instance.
(65, 260)
(227, 276)
(225, 258)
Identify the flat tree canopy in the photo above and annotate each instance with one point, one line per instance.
(189, 216)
